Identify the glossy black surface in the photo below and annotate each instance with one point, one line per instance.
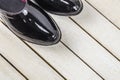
(61, 7)
(34, 25)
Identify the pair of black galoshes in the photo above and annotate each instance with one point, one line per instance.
(30, 22)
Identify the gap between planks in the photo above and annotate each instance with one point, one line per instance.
(103, 15)
(13, 66)
(39, 56)
(46, 63)
(92, 35)
(70, 39)
(95, 39)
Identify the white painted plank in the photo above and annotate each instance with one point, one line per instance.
(95, 55)
(100, 28)
(88, 49)
(23, 58)
(109, 8)
(7, 72)
(59, 56)
(67, 63)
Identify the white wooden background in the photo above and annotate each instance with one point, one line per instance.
(89, 49)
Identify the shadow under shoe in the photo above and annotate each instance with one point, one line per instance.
(61, 7)
(34, 25)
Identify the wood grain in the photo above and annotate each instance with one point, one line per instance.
(24, 58)
(88, 49)
(100, 29)
(109, 8)
(7, 72)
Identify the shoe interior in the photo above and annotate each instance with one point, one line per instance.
(12, 6)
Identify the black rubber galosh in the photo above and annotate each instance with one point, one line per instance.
(12, 6)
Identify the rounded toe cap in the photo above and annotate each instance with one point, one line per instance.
(35, 26)
(55, 38)
(74, 8)
(62, 7)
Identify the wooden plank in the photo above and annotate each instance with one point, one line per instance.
(100, 29)
(71, 68)
(23, 58)
(88, 49)
(109, 8)
(7, 72)
(66, 62)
